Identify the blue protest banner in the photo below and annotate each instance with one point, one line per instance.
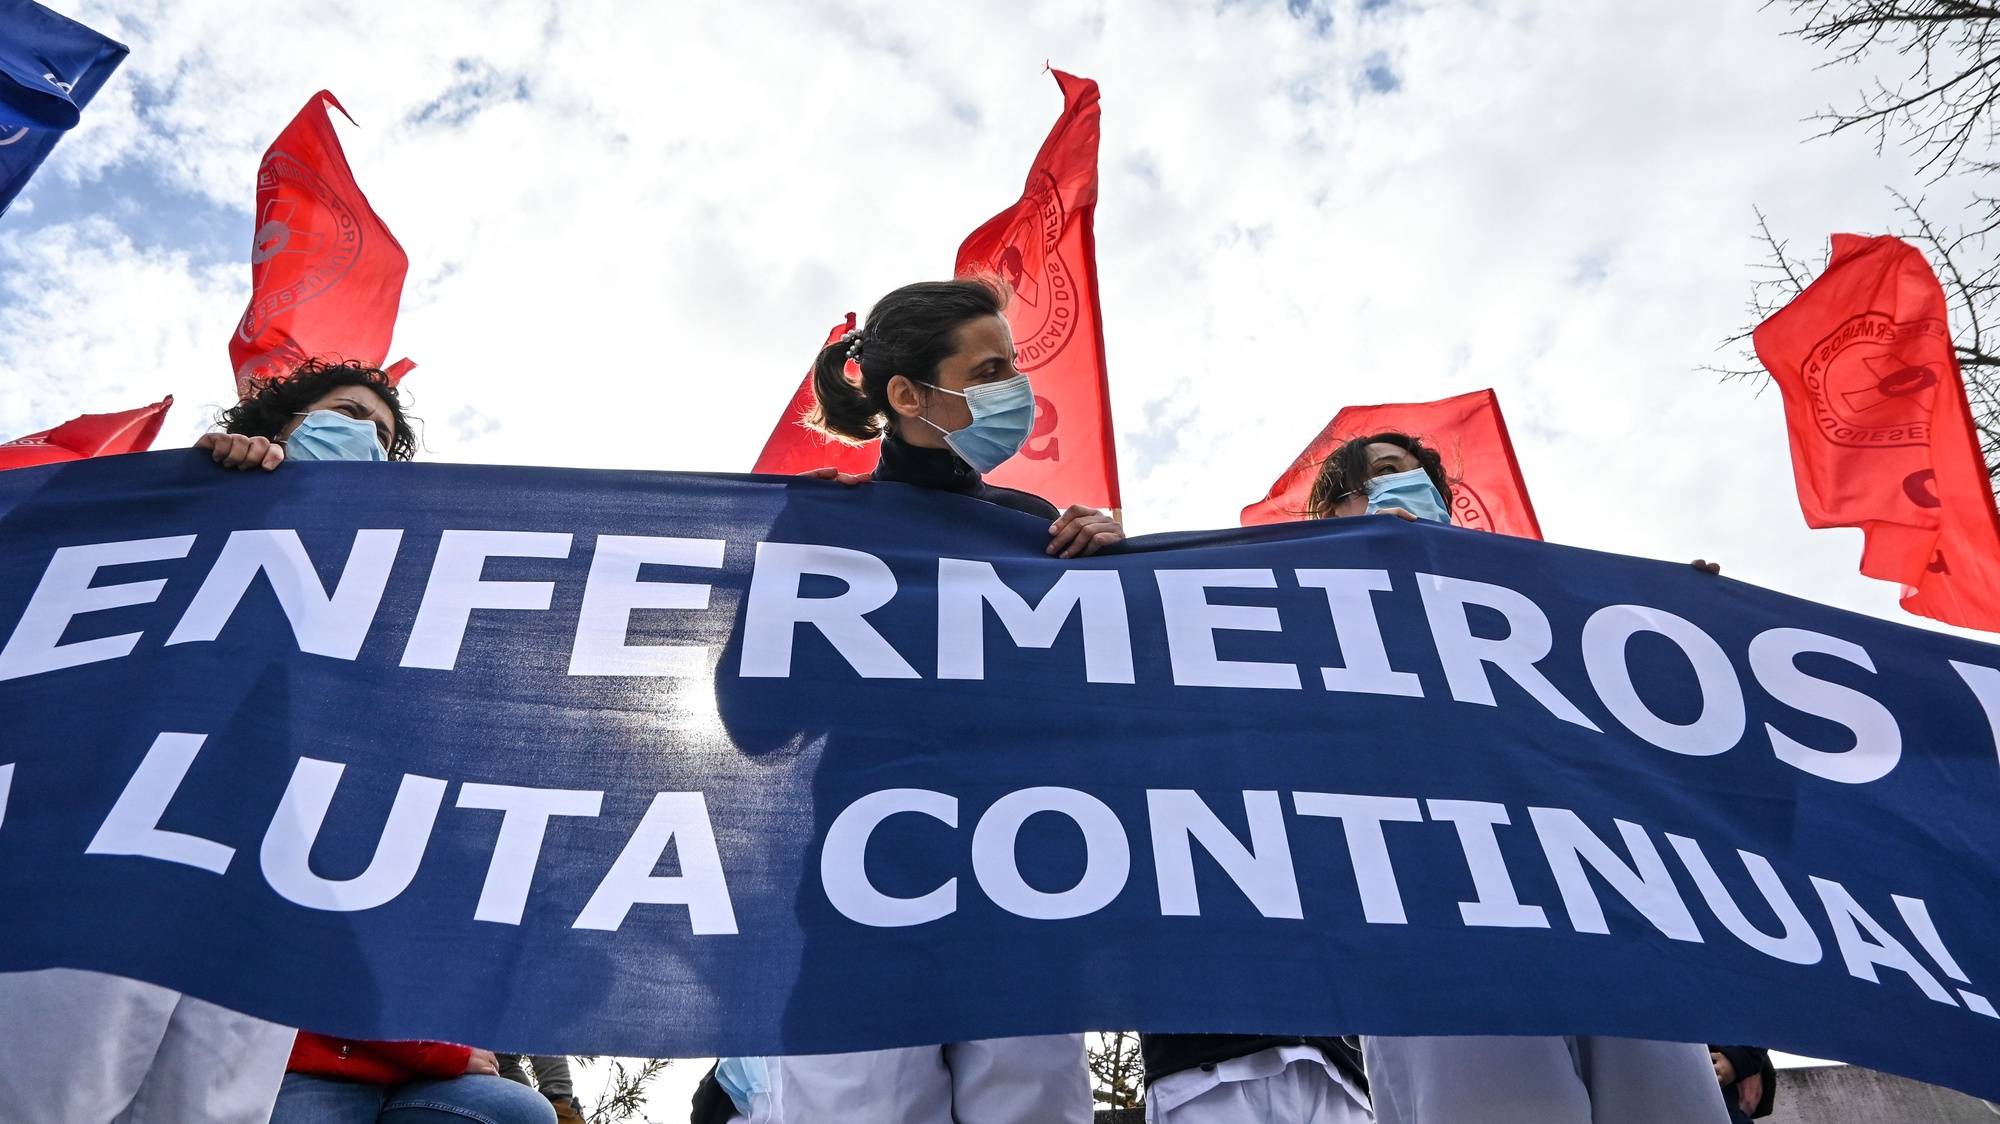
(735, 764)
(50, 68)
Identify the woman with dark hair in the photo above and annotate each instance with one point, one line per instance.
(1385, 472)
(86, 1046)
(1246, 1079)
(352, 412)
(939, 389)
(1587, 1079)
(321, 411)
(1254, 1078)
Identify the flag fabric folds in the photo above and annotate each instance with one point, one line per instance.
(1044, 248)
(1882, 437)
(50, 69)
(326, 276)
(1045, 251)
(1467, 430)
(792, 448)
(91, 435)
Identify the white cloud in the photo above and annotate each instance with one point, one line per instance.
(91, 323)
(629, 224)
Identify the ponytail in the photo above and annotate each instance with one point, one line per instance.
(840, 409)
(909, 332)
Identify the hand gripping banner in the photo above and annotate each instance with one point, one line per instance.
(731, 764)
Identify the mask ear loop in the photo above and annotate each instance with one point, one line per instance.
(925, 417)
(287, 437)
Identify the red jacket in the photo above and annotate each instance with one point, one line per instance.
(375, 1063)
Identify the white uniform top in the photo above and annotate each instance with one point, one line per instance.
(1176, 1089)
(91, 1048)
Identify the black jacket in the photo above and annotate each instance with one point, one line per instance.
(941, 469)
(1748, 1060)
(711, 1104)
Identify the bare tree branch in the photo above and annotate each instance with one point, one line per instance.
(1776, 278)
(1945, 103)
(1117, 1069)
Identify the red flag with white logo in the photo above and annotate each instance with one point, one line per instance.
(1882, 438)
(1487, 492)
(91, 435)
(1045, 248)
(326, 276)
(793, 447)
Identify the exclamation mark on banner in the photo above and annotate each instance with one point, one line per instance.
(6, 787)
(1917, 916)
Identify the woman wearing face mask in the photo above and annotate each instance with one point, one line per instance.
(350, 412)
(947, 431)
(320, 412)
(1587, 1079)
(86, 1046)
(1388, 473)
(1293, 1079)
(939, 388)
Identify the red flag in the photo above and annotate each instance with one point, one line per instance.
(1045, 249)
(326, 276)
(92, 435)
(1882, 438)
(1487, 492)
(792, 448)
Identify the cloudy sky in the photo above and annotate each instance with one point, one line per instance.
(629, 226)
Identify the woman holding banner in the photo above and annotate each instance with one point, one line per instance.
(350, 412)
(320, 412)
(86, 1046)
(1586, 1079)
(939, 389)
(1254, 1078)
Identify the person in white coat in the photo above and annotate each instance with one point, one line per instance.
(86, 1048)
(939, 389)
(1586, 1079)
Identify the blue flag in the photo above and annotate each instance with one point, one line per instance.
(50, 68)
(565, 761)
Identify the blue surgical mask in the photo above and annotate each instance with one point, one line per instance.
(742, 1079)
(1003, 415)
(1411, 491)
(328, 435)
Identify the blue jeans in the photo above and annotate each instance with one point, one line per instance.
(477, 1097)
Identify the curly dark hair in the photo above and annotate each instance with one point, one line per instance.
(1345, 470)
(271, 403)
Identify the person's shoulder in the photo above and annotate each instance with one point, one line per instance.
(1027, 502)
